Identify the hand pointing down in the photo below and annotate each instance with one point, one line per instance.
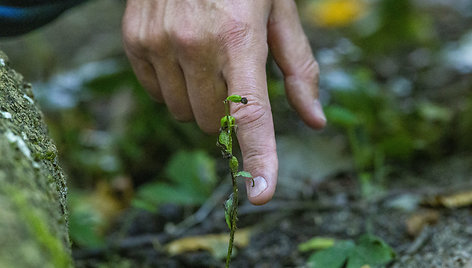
(192, 54)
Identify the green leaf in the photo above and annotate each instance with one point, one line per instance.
(316, 243)
(224, 121)
(234, 98)
(192, 178)
(227, 121)
(144, 205)
(193, 171)
(158, 193)
(228, 210)
(85, 221)
(371, 250)
(340, 116)
(224, 139)
(333, 257)
(434, 112)
(83, 228)
(244, 174)
(399, 146)
(234, 164)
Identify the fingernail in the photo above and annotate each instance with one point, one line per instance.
(260, 184)
(319, 110)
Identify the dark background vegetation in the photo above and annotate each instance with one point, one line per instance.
(396, 80)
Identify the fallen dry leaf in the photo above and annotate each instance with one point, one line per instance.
(216, 244)
(416, 222)
(454, 200)
(317, 243)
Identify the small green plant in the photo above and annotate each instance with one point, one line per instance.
(190, 179)
(381, 131)
(225, 142)
(369, 251)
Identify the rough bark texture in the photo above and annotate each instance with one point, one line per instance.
(33, 214)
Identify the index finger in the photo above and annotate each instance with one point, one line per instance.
(246, 76)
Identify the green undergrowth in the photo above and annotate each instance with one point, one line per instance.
(368, 251)
(189, 179)
(382, 131)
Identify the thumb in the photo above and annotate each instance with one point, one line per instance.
(247, 77)
(291, 50)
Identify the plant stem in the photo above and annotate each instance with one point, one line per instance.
(225, 142)
(234, 208)
(234, 218)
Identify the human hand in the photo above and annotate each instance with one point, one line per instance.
(192, 54)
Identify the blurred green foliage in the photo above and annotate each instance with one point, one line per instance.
(383, 70)
(376, 122)
(150, 133)
(191, 179)
(116, 130)
(380, 131)
(369, 250)
(464, 128)
(398, 26)
(84, 222)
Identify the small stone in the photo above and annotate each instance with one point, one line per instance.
(30, 100)
(5, 115)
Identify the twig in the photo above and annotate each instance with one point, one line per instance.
(420, 241)
(122, 245)
(277, 206)
(203, 212)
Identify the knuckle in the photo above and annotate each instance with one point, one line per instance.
(188, 42)
(132, 36)
(128, 28)
(310, 70)
(139, 44)
(155, 43)
(250, 115)
(234, 34)
(141, 41)
(184, 38)
(132, 42)
(258, 154)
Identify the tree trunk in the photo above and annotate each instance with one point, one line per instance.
(33, 213)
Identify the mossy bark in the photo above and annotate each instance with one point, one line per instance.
(33, 213)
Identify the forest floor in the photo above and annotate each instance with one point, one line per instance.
(425, 217)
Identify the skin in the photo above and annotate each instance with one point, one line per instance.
(192, 54)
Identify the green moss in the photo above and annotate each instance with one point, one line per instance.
(33, 225)
(38, 228)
